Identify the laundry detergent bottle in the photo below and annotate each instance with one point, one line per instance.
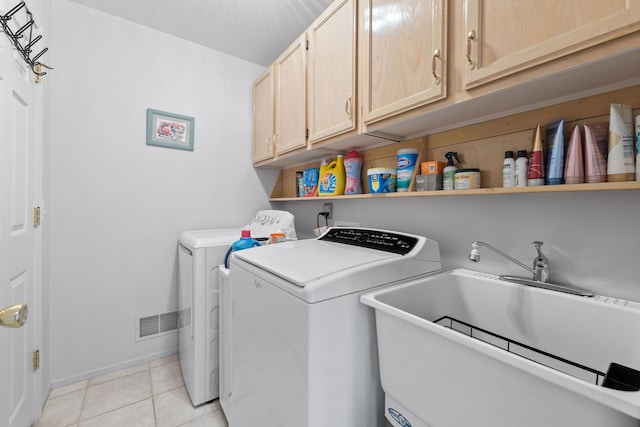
(245, 242)
(323, 168)
(352, 166)
(333, 181)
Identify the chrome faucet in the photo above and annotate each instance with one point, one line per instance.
(540, 270)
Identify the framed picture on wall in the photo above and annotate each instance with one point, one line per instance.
(169, 130)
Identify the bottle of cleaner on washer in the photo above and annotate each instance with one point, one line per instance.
(508, 170)
(333, 180)
(449, 172)
(245, 242)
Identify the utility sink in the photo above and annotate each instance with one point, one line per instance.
(463, 348)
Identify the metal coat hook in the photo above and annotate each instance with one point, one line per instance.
(25, 49)
(24, 28)
(12, 12)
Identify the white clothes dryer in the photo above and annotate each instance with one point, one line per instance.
(304, 350)
(200, 254)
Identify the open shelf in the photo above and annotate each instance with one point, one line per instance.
(601, 186)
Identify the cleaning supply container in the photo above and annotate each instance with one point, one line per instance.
(352, 166)
(407, 158)
(522, 168)
(508, 170)
(467, 179)
(449, 172)
(245, 242)
(310, 178)
(382, 180)
(333, 180)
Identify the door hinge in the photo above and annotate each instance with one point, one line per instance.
(36, 360)
(36, 216)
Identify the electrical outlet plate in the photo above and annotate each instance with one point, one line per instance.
(328, 207)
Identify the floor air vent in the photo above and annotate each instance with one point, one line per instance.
(155, 325)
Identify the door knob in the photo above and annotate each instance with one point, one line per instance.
(14, 316)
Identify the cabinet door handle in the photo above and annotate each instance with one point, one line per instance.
(347, 106)
(434, 58)
(269, 145)
(471, 36)
(275, 139)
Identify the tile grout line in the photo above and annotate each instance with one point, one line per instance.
(153, 399)
(84, 395)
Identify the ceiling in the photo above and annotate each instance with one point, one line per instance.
(253, 30)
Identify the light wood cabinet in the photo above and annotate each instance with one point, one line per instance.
(263, 116)
(332, 72)
(506, 37)
(290, 97)
(423, 67)
(403, 50)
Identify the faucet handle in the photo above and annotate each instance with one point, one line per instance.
(540, 264)
(538, 245)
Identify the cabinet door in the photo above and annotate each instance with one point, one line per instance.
(263, 116)
(504, 37)
(332, 72)
(291, 124)
(403, 51)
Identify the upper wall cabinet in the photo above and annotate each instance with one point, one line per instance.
(290, 97)
(332, 72)
(263, 116)
(403, 50)
(505, 37)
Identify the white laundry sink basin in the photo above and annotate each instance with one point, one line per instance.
(463, 348)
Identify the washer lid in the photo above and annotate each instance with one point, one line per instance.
(341, 262)
(207, 238)
(305, 261)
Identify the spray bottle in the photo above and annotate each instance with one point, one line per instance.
(449, 172)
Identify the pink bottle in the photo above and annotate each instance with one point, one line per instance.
(352, 166)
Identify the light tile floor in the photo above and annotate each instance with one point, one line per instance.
(151, 394)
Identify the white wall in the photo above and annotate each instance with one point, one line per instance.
(117, 205)
(591, 238)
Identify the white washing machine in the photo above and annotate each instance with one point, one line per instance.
(200, 254)
(304, 349)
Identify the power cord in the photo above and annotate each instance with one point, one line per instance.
(326, 218)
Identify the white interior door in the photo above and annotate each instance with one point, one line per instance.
(20, 128)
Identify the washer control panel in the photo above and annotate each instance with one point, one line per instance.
(372, 239)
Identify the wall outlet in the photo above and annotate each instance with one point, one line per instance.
(328, 207)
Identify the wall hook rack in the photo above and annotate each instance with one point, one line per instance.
(23, 40)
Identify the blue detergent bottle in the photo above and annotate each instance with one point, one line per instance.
(245, 242)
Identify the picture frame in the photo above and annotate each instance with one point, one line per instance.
(170, 130)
